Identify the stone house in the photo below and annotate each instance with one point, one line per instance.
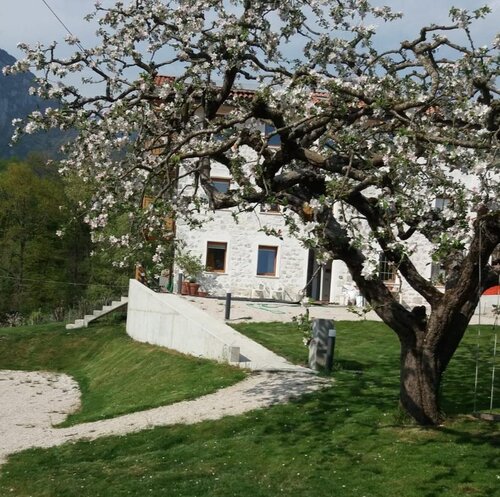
(242, 259)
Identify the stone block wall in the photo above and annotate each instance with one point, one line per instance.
(243, 239)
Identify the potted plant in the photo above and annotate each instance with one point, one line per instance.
(194, 286)
(185, 287)
(191, 267)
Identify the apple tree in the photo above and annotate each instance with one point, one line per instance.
(366, 139)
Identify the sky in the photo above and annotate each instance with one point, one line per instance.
(30, 21)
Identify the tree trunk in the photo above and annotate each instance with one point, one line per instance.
(428, 342)
(420, 379)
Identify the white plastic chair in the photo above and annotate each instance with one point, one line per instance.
(278, 293)
(259, 291)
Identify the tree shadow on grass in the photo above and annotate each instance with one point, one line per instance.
(467, 383)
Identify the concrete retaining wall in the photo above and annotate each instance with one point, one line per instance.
(171, 321)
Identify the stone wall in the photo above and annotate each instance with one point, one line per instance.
(244, 237)
(341, 278)
(243, 240)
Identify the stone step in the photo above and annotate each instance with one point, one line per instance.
(79, 323)
(88, 318)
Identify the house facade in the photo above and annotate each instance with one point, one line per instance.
(242, 259)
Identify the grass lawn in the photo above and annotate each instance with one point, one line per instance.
(348, 440)
(116, 374)
(369, 347)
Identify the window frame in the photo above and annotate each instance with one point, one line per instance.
(218, 246)
(217, 179)
(442, 203)
(274, 248)
(386, 268)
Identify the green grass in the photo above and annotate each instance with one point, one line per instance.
(116, 374)
(372, 348)
(282, 338)
(346, 441)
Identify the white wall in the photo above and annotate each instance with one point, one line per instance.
(171, 321)
(243, 239)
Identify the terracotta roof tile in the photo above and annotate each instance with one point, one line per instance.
(161, 80)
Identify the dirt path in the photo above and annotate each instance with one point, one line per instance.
(32, 402)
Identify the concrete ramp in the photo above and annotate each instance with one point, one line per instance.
(170, 321)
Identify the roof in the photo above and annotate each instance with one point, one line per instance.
(245, 93)
(494, 290)
(161, 80)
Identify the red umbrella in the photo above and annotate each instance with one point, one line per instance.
(494, 290)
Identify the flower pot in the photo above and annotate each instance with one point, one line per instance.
(185, 288)
(202, 294)
(193, 289)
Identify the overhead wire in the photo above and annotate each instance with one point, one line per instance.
(63, 24)
(33, 280)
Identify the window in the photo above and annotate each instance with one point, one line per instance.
(386, 269)
(221, 184)
(274, 140)
(441, 203)
(216, 257)
(146, 201)
(224, 135)
(266, 260)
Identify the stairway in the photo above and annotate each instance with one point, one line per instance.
(107, 309)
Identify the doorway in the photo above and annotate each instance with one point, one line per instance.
(319, 279)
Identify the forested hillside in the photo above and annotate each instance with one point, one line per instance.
(46, 266)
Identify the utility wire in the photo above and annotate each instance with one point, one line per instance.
(62, 24)
(62, 282)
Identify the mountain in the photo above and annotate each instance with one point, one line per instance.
(16, 102)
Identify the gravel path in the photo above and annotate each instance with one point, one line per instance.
(32, 402)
